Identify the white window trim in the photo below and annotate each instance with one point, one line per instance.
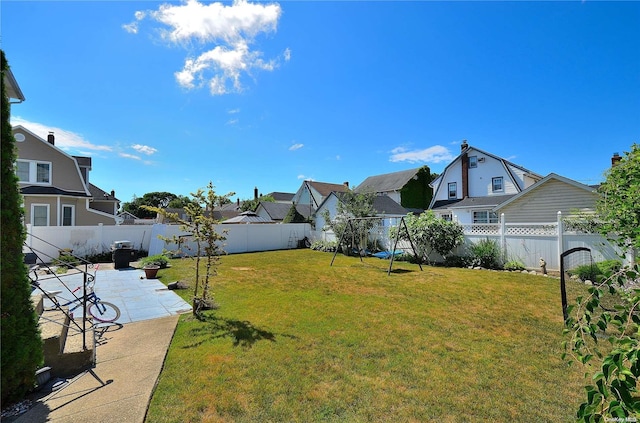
(73, 214)
(33, 206)
(487, 215)
(493, 186)
(33, 171)
(455, 185)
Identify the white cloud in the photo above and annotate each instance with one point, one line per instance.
(225, 33)
(233, 121)
(233, 111)
(296, 146)
(435, 154)
(129, 156)
(144, 149)
(64, 139)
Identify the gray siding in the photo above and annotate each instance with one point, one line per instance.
(543, 203)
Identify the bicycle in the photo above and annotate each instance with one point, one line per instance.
(102, 311)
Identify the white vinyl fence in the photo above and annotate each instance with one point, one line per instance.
(526, 243)
(47, 241)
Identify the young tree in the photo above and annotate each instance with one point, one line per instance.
(21, 346)
(201, 224)
(351, 205)
(613, 390)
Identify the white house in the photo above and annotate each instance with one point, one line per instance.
(475, 183)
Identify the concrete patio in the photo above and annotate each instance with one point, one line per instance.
(137, 298)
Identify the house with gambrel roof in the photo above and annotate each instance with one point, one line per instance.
(475, 183)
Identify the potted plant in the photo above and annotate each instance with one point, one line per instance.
(151, 270)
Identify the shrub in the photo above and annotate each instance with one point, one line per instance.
(596, 271)
(156, 260)
(66, 259)
(486, 253)
(457, 261)
(513, 265)
(325, 246)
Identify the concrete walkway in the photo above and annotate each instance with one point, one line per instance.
(129, 359)
(129, 355)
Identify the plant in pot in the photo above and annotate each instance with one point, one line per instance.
(152, 264)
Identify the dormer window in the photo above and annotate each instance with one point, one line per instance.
(33, 172)
(496, 184)
(453, 190)
(473, 161)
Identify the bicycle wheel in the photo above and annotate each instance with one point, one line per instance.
(104, 312)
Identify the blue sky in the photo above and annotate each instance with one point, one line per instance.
(167, 96)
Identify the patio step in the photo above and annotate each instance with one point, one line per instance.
(62, 342)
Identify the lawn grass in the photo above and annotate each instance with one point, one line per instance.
(295, 340)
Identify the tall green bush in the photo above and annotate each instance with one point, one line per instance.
(21, 347)
(486, 253)
(431, 233)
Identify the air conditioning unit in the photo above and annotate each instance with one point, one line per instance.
(481, 160)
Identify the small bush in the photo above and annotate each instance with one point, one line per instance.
(596, 271)
(325, 246)
(514, 265)
(157, 260)
(105, 257)
(66, 260)
(486, 253)
(457, 261)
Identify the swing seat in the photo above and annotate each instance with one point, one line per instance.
(387, 254)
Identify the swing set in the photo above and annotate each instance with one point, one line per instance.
(356, 226)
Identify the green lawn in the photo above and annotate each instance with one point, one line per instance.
(295, 340)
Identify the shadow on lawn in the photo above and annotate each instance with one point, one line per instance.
(243, 333)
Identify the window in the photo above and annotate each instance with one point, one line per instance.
(68, 215)
(33, 172)
(40, 214)
(447, 217)
(473, 161)
(22, 170)
(496, 184)
(485, 216)
(453, 190)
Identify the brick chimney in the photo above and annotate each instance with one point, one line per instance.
(615, 159)
(346, 184)
(465, 169)
(51, 139)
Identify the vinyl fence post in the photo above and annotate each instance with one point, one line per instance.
(560, 236)
(503, 240)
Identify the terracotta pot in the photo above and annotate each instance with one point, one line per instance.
(151, 272)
